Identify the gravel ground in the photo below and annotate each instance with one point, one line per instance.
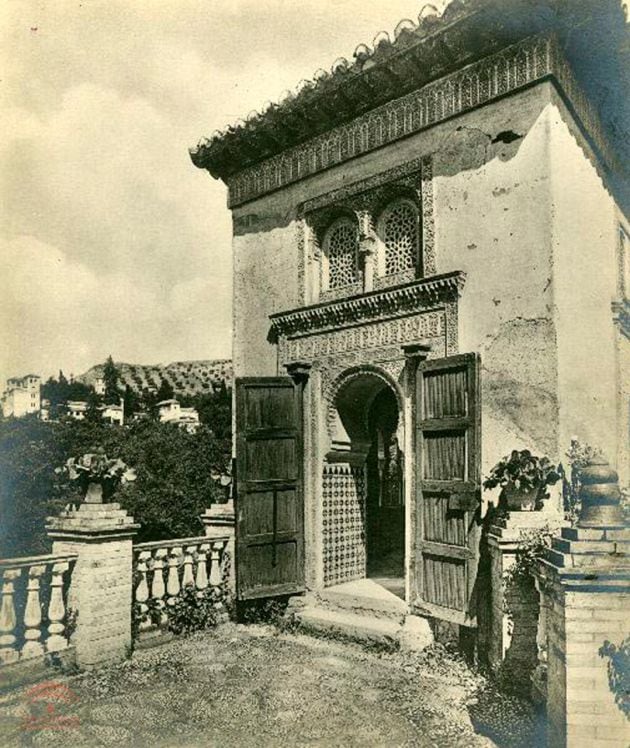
(254, 686)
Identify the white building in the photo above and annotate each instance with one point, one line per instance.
(77, 409)
(99, 385)
(113, 414)
(22, 396)
(170, 411)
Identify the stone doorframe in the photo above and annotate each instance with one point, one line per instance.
(364, 333)
(319, 411)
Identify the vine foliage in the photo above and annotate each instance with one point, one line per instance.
(618, 672)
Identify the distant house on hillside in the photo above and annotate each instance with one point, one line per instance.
(113, 414)
(170, 411)
(22, 396)
(77, 409)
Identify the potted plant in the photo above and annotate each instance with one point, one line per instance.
(97, 475)
(523, 478)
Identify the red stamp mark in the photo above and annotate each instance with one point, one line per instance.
(46, 702)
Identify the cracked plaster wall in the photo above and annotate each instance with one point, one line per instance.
(494, 222)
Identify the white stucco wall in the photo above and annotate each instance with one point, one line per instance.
(493, 221)
(585, 237)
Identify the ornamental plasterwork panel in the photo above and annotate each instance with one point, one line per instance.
(397, 302)
(520, 65)
(394, 332)
(365, 199)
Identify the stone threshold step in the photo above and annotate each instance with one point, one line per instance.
(363, 606)
(361, 628)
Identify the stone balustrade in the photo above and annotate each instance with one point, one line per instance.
(164, 568)
(33, 608)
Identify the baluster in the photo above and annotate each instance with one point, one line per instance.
(57, 609)
(172, 582)
(215, 564)
(33, 614)
(202, 571)
(8, 652)
(188, 577)
(157, 586)
(142, 590)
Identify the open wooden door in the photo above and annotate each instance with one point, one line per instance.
(448, 487)
(269, 496)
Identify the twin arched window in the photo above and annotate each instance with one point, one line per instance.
(398, 231)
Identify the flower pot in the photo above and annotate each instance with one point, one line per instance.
(520, 499)
(94, 493)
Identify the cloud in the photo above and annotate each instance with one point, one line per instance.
(113, 241)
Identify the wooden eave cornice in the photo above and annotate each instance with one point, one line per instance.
(208, 156)
(397, 301)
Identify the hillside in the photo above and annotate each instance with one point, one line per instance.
(185, 377)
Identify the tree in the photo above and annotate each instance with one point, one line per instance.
(131, 402)
(92, 413)
(111, 375)
(173, 467)
(165, 391)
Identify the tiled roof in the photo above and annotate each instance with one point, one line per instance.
(593, 32)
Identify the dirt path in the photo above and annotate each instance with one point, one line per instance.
(253, 686)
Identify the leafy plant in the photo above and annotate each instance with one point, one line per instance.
(618, 672)
(72, 615)
(194, 611)
(531, 548)
(96, 467)
(264, 610)
(173, 486)
(522, 470)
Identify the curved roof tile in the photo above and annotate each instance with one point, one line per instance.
(465, 31)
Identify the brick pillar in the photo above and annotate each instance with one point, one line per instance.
(100, 591)
(585, 585)
(513, 619)
(219, 522)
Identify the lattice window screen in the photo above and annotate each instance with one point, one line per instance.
(342, 244)
(399, 231)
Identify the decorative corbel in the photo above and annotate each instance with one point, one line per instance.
(299, 371)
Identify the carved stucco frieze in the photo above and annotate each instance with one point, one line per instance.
(487, 80)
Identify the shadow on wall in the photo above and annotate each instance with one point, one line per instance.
(520, 380)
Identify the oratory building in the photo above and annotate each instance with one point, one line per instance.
(430, 270)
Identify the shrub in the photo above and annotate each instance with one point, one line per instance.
(194, 611)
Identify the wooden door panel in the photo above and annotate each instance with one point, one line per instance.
(271, 459)
(440, 524)
(448, 486)
(445, 455)
(269, 496)
(269, 407)
(270, 572)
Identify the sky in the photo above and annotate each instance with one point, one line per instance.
(111, 241)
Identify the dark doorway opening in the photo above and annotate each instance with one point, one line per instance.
(385, 496)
